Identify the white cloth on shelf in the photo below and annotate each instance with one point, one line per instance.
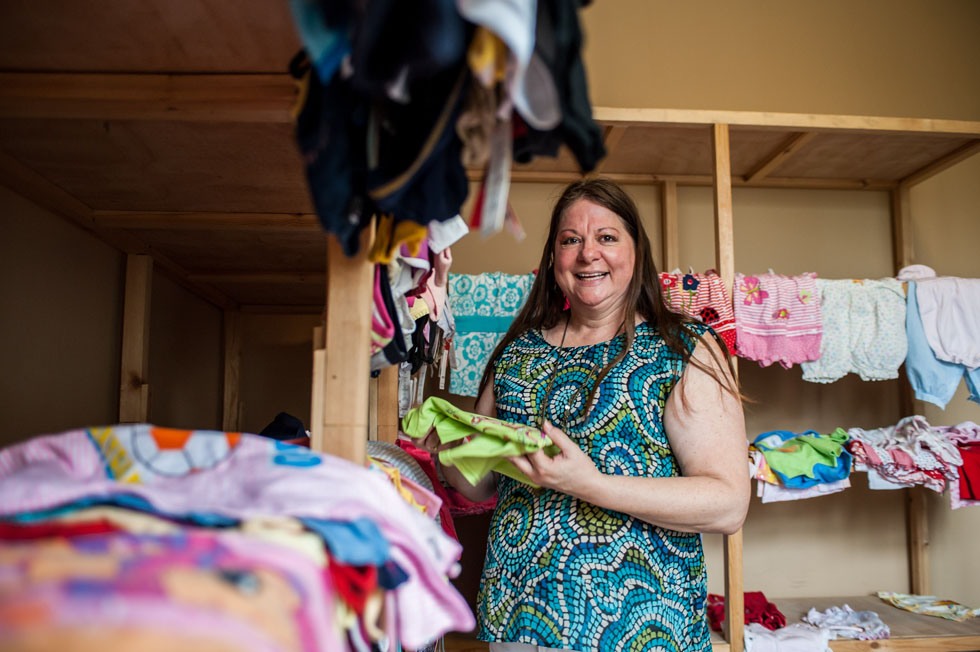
(798, 637)
(950, 311)
(844, 622)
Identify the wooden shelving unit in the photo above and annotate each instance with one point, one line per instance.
(178, 153)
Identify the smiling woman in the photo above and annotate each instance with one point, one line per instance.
(646, 415)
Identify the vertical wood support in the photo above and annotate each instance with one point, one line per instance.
(725, 262)
(668, 225)
(231, 414)
(388, 421)
(916, 507)
(319, 370)
(134, 391)
(342, 417)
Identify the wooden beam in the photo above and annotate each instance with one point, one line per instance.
(916, 507)
(186, 97)
(725, 263)
(948, 161)
(724, 225)
(134, 389)
(388, 421)
(197, 221)
(342, 428)
(290, 278)
(282, 309)
(771, 120)
(917, 527)
(901, 222)
(669, 225)
(785, 151)
(559, 177)
(610, 140)
(231, 415)
(47, 195)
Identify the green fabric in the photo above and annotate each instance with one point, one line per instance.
(799, 455)
(487, 442)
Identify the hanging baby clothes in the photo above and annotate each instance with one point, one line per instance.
(804, 460)
(966, 437)
(932, 379)
(863, 330)
(910, 452)
(702, 297)
(950, 311)
(483, 307)
(778, 318)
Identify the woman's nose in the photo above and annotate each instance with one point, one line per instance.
(589, 251)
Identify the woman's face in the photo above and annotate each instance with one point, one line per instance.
(594, 257)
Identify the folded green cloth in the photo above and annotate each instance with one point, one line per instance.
(487, 442)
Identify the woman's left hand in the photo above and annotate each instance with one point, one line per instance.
(571, 471)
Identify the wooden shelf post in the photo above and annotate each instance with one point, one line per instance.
(342, 370)
(134, 391)
(725, 263)
(231, 415)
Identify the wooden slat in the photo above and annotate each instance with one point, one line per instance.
(45, 194)
(669, 225)
(724, 227)
(792, 145)
(93, 96)
(199, 221)
(281, 309)
(387, 401)
(133, 386)
(792, 121)
(610, 140)
(344, 423)
(317, 278)
(948, 161)
(640, 179)
(901, 222)
(725, 264)
(909, 631)
(231, 415)
(916, 507)
(918, 541)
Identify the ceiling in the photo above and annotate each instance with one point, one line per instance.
(164, 127)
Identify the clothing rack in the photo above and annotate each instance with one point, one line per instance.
(341, 376)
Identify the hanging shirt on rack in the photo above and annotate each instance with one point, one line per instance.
(863, 330)
(778, 318)
(483, 307)
(702, 297)
(932, 379)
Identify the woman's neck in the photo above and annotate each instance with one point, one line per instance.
(582, 330)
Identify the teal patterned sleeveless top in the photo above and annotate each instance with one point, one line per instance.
(563, 573)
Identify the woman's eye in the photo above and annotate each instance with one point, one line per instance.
(607, 238)
(569, 241)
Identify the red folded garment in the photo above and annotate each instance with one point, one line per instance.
(758, 609)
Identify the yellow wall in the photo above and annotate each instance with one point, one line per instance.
(60, 323)
(912, 58)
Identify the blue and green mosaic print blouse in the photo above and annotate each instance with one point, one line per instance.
(563, 573)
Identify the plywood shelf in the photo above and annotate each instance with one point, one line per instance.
(909, 631)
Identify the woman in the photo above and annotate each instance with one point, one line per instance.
(644, 409)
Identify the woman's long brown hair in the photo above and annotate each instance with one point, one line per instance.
(545, 303)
